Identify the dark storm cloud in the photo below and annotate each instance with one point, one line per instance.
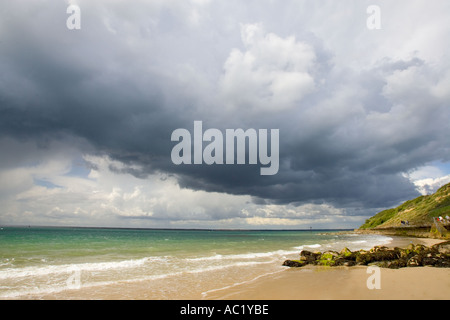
(127, 79)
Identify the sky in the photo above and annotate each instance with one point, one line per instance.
(89, 99)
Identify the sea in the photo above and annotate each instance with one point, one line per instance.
(116, 263)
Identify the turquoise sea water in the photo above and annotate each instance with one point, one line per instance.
(38, 261)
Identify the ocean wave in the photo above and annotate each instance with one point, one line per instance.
(45, 289)
(34, 271)
(308, 246)
(348, 240)
(243, 256)
(366, 242)
(313, 246)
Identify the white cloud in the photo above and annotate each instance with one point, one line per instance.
(428, 179)
(429, 186)
(107, 198)
(272, 74)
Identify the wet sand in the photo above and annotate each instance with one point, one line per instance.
(347, 283)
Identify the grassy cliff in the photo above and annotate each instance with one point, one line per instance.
(418, 212)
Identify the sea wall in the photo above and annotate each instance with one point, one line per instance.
(433, 231)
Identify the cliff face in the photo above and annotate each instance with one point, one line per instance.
(421, 212)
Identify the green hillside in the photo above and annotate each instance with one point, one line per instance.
(418, 212)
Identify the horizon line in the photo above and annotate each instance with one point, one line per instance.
(187, 229)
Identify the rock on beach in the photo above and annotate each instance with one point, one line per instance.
(413, 256)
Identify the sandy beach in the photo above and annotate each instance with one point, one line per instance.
(348, 283)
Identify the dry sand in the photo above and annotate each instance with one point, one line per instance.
(348, 283)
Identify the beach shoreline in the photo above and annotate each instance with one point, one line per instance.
(403, 242)
(270, 281)
(346, 283)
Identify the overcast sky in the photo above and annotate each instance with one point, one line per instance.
(361, 101)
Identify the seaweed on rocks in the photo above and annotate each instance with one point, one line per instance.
(413, 256)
